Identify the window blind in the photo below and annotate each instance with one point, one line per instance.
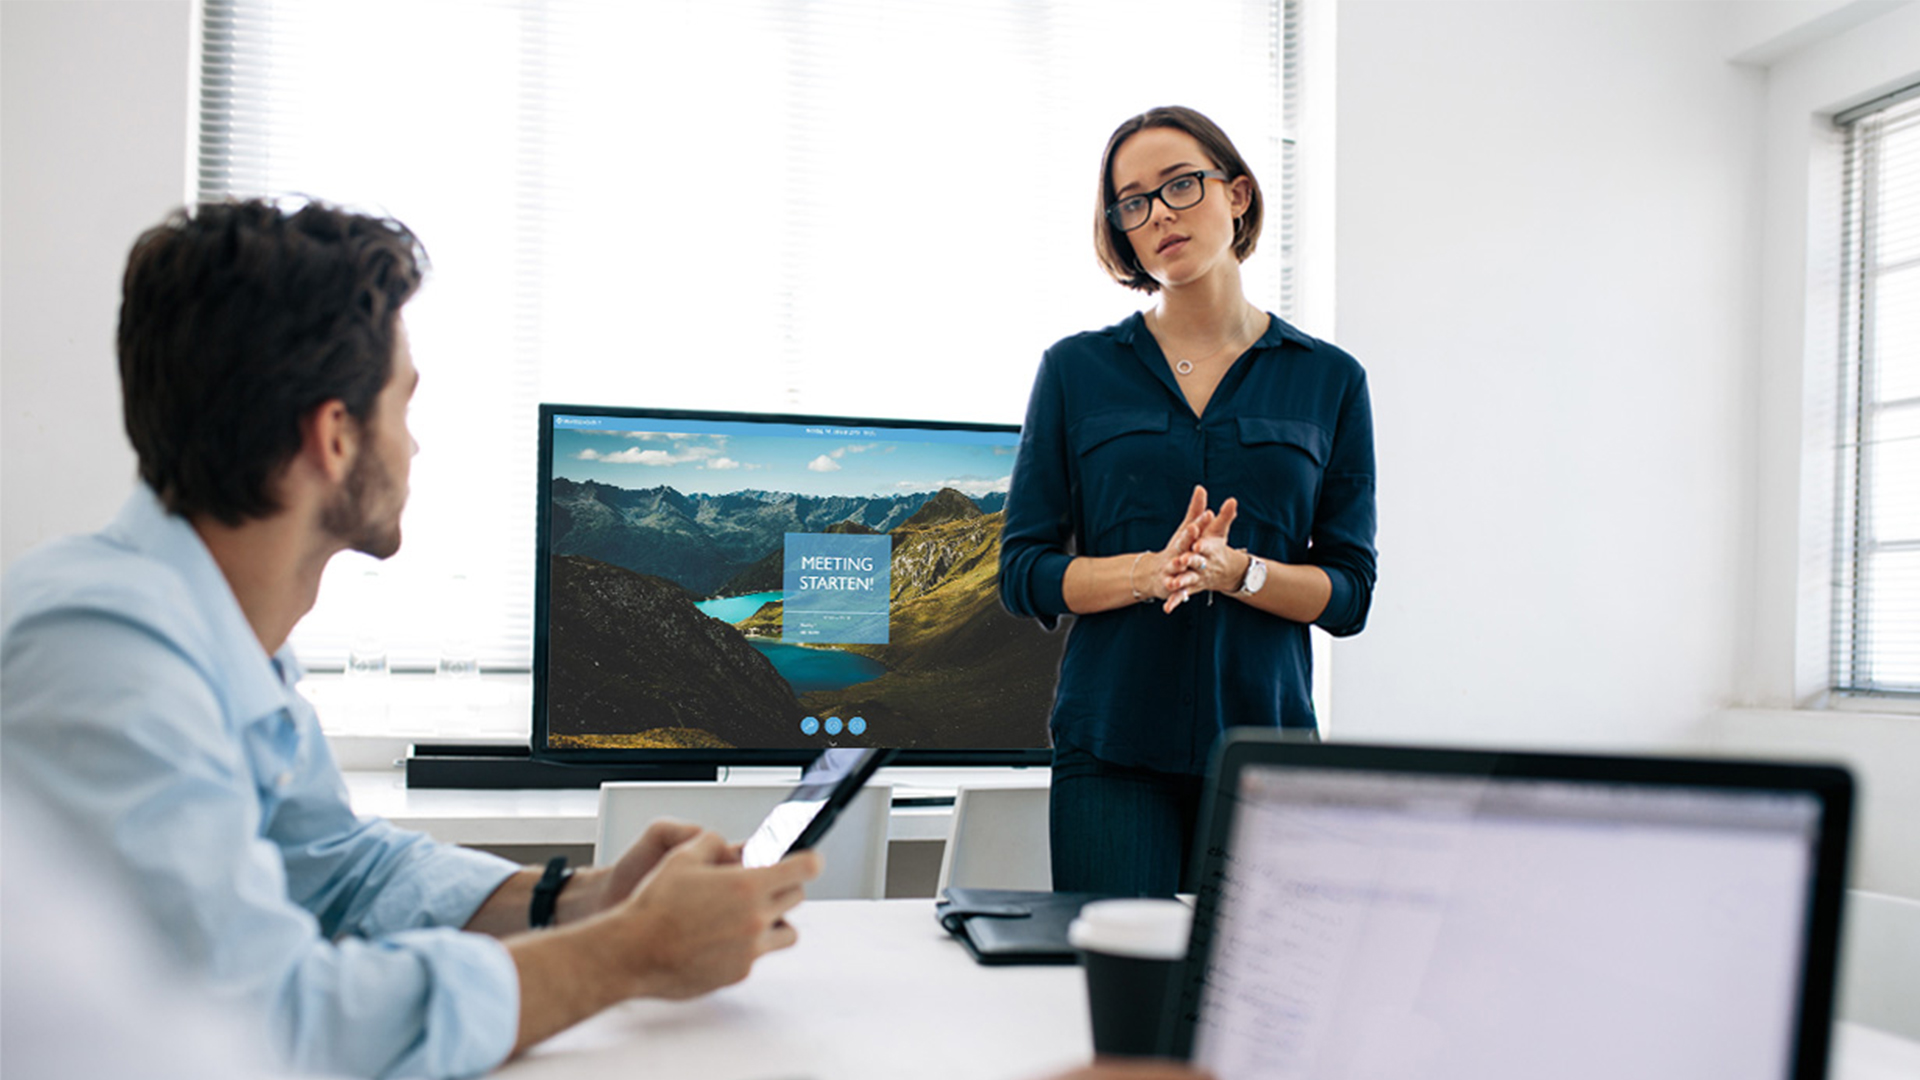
(826, 206)
(1876, 647)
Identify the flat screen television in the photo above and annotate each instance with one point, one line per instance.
(734, 588)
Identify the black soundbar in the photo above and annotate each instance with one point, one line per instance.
(466, 765)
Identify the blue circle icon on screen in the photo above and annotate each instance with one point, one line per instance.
(857, 726)
(833, 725)
(810, 725)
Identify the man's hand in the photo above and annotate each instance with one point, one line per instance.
(699, 920)
(639, 860)
(696, 921)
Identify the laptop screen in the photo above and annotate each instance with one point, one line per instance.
(1393, 923)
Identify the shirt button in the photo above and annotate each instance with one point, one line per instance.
(283, 780)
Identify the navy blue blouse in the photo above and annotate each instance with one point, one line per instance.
(1107, 462)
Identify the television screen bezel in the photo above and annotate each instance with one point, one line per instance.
(543, 539)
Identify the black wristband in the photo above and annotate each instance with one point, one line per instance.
(547, 892)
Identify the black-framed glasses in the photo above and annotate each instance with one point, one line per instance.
(1180, 193)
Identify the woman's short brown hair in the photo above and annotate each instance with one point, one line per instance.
(1111, 245)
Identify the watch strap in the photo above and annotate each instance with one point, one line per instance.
(546, 892)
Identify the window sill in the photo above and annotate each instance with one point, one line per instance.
(1862, 704)
(369, 723)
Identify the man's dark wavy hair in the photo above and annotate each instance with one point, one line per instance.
(237, 319)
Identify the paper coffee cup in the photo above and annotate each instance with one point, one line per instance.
(1132, 951)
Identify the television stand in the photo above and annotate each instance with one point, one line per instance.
(465, 765)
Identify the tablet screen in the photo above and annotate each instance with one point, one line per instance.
(827, 785)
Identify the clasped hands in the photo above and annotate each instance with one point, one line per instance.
(1196, 558)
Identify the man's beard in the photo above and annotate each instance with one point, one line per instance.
(347, 516)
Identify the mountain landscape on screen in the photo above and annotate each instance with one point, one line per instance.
(667, 611)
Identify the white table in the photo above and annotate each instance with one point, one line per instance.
(875, 989)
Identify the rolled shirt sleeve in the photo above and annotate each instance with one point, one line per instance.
(1345, 518)
(1039, 526)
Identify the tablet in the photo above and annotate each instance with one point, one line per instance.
(805, 815)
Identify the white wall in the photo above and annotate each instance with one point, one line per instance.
(93, 149)
(1572, 252)
(1546, 244)
(1765, 32)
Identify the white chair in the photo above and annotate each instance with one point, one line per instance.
(998, 840)
(1880, 963)
(855, 850)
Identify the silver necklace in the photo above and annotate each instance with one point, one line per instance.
(1184, 365)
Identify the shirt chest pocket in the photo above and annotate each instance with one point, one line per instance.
(1126, 469)
(1274, 467)
(274, 753)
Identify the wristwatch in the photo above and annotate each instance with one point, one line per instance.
(1256, 576)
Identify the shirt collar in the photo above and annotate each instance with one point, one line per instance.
(1279, 332)
(256, 684)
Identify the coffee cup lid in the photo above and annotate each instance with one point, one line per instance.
(1152, 929)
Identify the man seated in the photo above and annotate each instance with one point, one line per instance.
(147, 714)
(147, 691)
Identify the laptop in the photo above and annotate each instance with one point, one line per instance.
(1395, 912)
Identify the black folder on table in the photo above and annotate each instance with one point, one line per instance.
(1013, 926)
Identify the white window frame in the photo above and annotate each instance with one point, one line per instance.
(1783, 658)
(1860, 657)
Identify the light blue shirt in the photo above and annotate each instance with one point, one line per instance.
(137, 702)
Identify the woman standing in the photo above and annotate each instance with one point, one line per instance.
(1192, 614)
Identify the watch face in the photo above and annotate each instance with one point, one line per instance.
(1256, 576)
